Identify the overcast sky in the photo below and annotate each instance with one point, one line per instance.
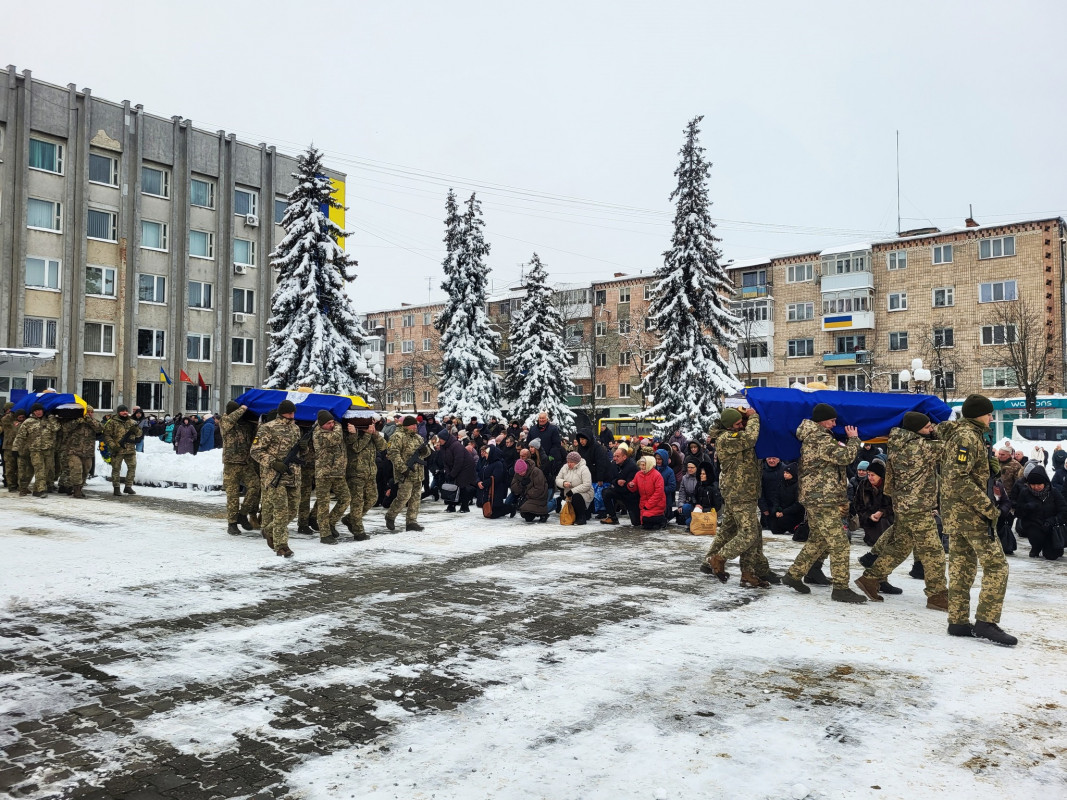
(567, 117)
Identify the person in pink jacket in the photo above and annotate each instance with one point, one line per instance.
(649, 484)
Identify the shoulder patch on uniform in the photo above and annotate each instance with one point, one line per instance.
(734, 435)
(256, 440)
(961, 455)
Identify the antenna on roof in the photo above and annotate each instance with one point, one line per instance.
(429, 287)
(898, 182)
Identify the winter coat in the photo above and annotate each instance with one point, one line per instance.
(787, 500)
(740, 478)
(532, 488)
(771, 482)
(870, 500)
(687, 490)
(913, 471)
(551, 443)
(458, 462)
(207, 435)
(492, 473)
(388, 430)
(1036, 515)
(670, 482)
(168, 435)
(580, 479)
(707, 492)
(678, 439)
(649, 485)
(607, 436)
(595, 455)
(510, 455)
(823, 464)
(185, 439)
(867, 452)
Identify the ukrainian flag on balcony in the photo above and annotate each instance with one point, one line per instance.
(840, 321)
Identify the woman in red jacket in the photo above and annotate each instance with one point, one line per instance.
(649, 484)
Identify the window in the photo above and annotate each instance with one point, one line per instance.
(943, 254)
(44, 215)
(390, 348)
(427, 371)
(407, 373)
(425, 398)
(896, 384)
(845, 263)
(151, 288)
(898, 301)
(98, 394)
(244, 301)
(852, 383)
(648, 292)
(747, 350)
(153, 235)
(998, 378)
(624, 358)
(37, 332)
(752, 383)
(197, 399)
(601, 391)
(752, 310)
(898, 340)
(427, 345)
(201, 193)
(390, 398)
(602, 329)
(100, 281)
(944, 337)
(897, 259)
(850, 343)
(242, 351)
(389, 323)
(624, 326)
(427, 318)
(99, 339)
(155, 182)
(797, 312)
(944, 379)
(244, 202)
(244, 252)
(199, 295)
(999, 334)
(237, 391)
(198, 346)
(389, 373)
(601, 359)
(46, 156)
(845, 302)
(624, 390)
(280, 205)
(201, 244)
(798, 348)
(42, 273)
(944, 297)
(601, 297)
(407, 321)
(151, 343)
(105, 170)
(799, 273)
(102, 225)
(650, 324)
(996, 248)
(803, 380)
(753, 279)
(43, 384)
(407, 346)
(997, 292)
(624, 294)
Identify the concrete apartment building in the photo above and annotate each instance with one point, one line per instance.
(130, 242)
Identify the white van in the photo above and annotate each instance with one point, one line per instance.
(1039, 431)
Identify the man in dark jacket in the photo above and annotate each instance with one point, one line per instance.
(596, 456)
(607, 436)
(617, 494)
(458, 464)
(771, 481)
(551, 445)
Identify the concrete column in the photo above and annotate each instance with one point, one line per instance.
(20, 155)
(178, 310)
(9, 173)
(81, 244)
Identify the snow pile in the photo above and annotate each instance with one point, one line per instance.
(159, 465)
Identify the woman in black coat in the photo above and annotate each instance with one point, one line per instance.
(1038, 509)
(493, 481)
(459, 468)
(510, 454)
(788, 512)
(597, 458)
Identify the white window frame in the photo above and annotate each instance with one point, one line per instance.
(1003, 289)
(427, 318)
(427, 345)
(601, 329)
(248, 350)
(806, 270)
(901, 299)
(1011, 329)
(157, 341)
(56, 216)
(113, 170)
(49, 332)
(793, 350)
(795, 310)
(650, 323)
(648, 292)
(58, 156)
(100, 393)
(253, 205)
(625, 389)
(624, 326)
(248, 300)
(164, 181)
(949, 295)
(426, 398)
(647, 357)
(895, 336)
(896, 260)
(113, 219)
(624, 358)
(390, 348)
(858, 379)
(992, 245)
(49, 265)
(102, 326)
(210, 191)
(940, 251)
(998, 378)
(940, 381)
(201, 284)
(103, 280)
(624, 294)
(896, 384)
(944, 344)
(155, 288)
(601, 391)
(210, 245)
(203, 347)
(407, 321)
(163, 235)
(251, 252)
(601, 361)
(407, 346)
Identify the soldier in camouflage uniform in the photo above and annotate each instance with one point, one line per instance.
(823, 491)
(914, 453)
(81, 450)
(122, 427)
(407, 451)
(307, 522)
(362, 475)
(62, 451)
(330, 463)
(34, 442)
(280, 482)
(238, 468)
(970, 518)
(735, 446)
(8, 429)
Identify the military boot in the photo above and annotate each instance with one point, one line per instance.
(390, 523)
(885, 587)
(77, 492)
(846, 595)
(233, 530)
(359, 536)
(116, 490)
(869, 586)
(795, 583)
(992, 632)
(41, 494)
(815, 575)
(960, 629)
(304, 528)
(346, 520)
(414, 526)
(938, 602)
(753, 581)
(284, 551)
(917, 571)
(327, 540)
(718, 567)
(242, 520)
(129, 490)
(867, 560)
(772, 578)
(313, 523)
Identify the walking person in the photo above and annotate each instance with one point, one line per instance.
(407, 452)
(81, 451)
(361, 473)
(238, 468)
(274, 441)
(121, 434)
(330, 463)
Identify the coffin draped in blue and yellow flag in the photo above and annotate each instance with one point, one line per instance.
(52, 401)
(308, 404)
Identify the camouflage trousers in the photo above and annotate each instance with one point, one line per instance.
(967, 548)
(279, 508)
(43, 466)
(911, 533)
(827, 536)
(25, 470)
(116, 468)
(78, 469)
(11, 468)
(62, 467)
(740, 535)
(363, 491)
(325, 486)
(409, 496)
(307, 484)
(234, 476)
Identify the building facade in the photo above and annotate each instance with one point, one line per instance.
(131, 243)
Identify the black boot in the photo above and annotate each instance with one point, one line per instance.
(242, 520)
(313, 523)
(917, 571)
(233, 530)
(867, 559)
(815, 575)
(117, 491)
(960, 629)
(464, 509)
(992, 632)
(543, 518)
(450, 508)
(885, 587)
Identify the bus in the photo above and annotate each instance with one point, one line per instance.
(1039, 431)
(628, 427)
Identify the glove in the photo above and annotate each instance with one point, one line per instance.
(280, 467)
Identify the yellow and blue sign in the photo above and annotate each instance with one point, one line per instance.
(336, 215)
(840, 321)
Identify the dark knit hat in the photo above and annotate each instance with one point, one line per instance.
(730, 417)
(823, 412)
(977, 405)
(915, 421)
(120, 409)
(324, 416)
(286, 407)
(877, 467)
(270, 416)
(409, 420)
(232, 406)
(36, 407)
(1036, 475)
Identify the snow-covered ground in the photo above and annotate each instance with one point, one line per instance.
(600, 663)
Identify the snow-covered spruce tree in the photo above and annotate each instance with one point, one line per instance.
(689, 375)
(315, 337)
(468, 385)
(538, 377)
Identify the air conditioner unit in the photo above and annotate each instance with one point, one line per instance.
(239, 269)
(251, 220)
(238, 318)
(820, 378)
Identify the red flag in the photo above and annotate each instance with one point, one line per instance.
(183, 377)
(200, 380)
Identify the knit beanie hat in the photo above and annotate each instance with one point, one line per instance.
(1035, 474)
(822, 412)
(324, 416)
(977, 405)
(573, 457)
(730, 417)
(535, 444)
(36, 407)
(521, 466)
(863, 465)
(286, 407)
(915, 421)
(877, 467)
(120, 409)
(409, 420)
(8, 405)
(232, 406)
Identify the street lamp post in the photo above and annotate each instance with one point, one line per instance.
(918, 372)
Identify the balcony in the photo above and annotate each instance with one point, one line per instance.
(846, 281)
(846, 359)
(849, 320)
(754, 365)
(753, 292)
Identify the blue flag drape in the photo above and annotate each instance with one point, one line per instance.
(308, 404)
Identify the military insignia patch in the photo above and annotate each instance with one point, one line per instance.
(961, 455)
(256, 440)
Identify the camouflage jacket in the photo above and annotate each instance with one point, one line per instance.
(330, 458)
(965, 474)
(823, 461)
(912, 473)
(37, 434)
(115, 430)
(402, 447)
(362, 448)
(237, 436)
(1010, 471)
(25, 434)
(273, 442)
(740, 479)
(8, 427)
(81, 437)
